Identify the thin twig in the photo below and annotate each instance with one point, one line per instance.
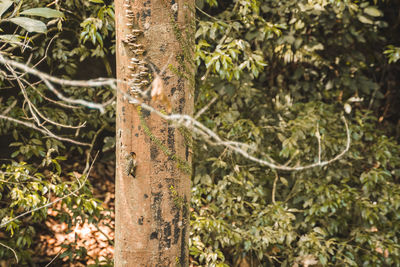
(34, 110)
(82, 102)
(5, 112)
(47, 79)
(50, 134)
(54, 258)
(208, 15)
(13, 251)
(204, 109)
(51, 100)
(46, 51)
(274, 187)
(78, 83)
(111, 242)
(318, 136)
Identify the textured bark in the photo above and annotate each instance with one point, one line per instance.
(152, 215)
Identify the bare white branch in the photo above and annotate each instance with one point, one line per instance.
(34, 110)
(177, 119)
(197, 127)
(48, 78)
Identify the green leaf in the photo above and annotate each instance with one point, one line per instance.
(373, 11)
(97, 1)
(236, 73)
(15, 144)
(365, 20)
(43, 12)
(10, 38)
(284, 181)
(99, 39)
(110, 12)
(15, 134)
(36, 141)
(4, 5)
(31, 25)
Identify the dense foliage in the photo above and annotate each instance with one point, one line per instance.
(62, 38)
(283, 74)
(280, 75)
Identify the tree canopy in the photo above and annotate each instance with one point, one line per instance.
(281, 74)
(279, 81)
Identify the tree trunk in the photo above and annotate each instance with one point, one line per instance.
(152, 201)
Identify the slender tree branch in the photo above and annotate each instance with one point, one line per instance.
(34, 110)
(274, 187)
(85, 83)
(318, 136)
(61, 104)
(204, 109)
(13, 251)
(47, 79)
(50, 134)
(54, 258)
(5, 112)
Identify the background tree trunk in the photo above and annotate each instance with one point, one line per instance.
(152, 214)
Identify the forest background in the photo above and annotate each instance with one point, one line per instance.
(277, 76)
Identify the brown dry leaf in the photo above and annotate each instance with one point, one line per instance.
(158, 93)
(380, 250)
(386, 253)
(340, 96)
